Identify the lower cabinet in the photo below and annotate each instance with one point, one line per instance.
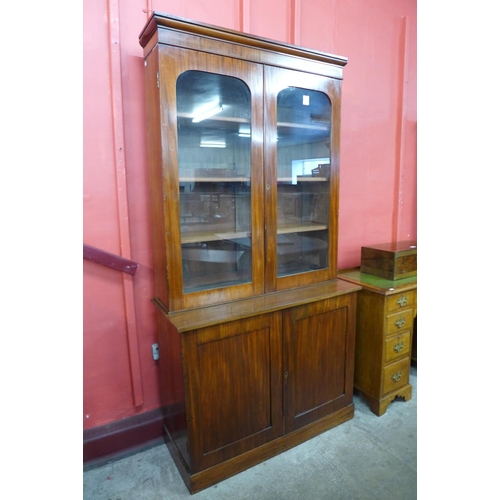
(244, 381)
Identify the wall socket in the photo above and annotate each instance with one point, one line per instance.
(155, 351)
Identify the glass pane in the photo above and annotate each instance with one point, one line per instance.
(304, 123)
(213, 122)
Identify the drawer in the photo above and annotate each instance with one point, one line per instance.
(399, 301)
(397, 346)
(399, 321)
(395, 375)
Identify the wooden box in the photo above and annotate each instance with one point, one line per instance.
(392, 261)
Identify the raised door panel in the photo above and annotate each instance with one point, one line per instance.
(212, 154)
(318, 360)
(235, 391)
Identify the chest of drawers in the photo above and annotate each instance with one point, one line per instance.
(384, 329)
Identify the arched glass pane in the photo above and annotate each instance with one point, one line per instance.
(304, 123)
(214, 130)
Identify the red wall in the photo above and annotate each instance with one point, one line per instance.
(378, 160)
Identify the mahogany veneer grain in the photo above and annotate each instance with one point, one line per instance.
(253, 360)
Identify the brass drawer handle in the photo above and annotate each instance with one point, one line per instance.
(398, 347)
(396, 377)
(400, 322)
(402, 301)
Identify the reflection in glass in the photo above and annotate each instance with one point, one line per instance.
(304, 122)
(214, 180)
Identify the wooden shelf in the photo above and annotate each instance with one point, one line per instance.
(218, 118)
(233, 119)
(214, 179)
(201, 236)
(306, 126)
(247, 179)
(303, 179)
(300, 228)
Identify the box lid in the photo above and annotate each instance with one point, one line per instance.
(395, 246)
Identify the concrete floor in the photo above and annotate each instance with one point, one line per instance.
(368, 457)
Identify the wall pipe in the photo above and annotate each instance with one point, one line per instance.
(115, 70)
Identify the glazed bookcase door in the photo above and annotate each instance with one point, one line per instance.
(214, 184)
(301, 178)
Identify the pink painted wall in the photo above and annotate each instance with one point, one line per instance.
(378, 160)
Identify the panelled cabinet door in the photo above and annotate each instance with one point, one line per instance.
(234, 388)
(301, 139)
(213, 183)
(318, 346)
